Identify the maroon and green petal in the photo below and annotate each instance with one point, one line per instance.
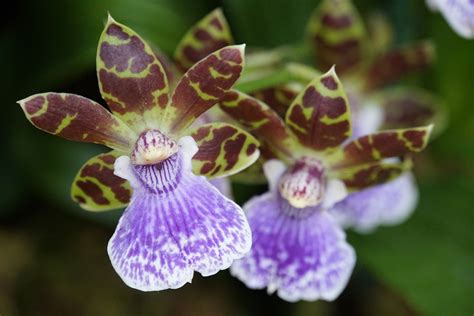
(77, 118)
(131, 79)
(406, 107)
(206, 36)
(338, 36)
(367, 175)
(278, 98)
(385, 144)
(223, 149)
(96, 188)
(320, 116)
(260, 120)
(203, 86)
(397, 63)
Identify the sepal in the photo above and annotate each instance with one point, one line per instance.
(206, 36)
(77, 118)
(224, 149)
(260, 120)
(338, 36)
(384, 144)
(203, 86)
(131, 79)
(366, 175)
(319, 117)
(397, 63)
(97, 188)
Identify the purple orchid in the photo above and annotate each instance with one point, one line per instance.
(299, 249)
(176, 222)
(388, 203)
(366, 64)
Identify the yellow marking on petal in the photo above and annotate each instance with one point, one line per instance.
(65, 123)
(43, 110)
(216, 74)
(197, 87)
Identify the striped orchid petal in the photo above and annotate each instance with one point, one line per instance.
(97, 188)
(397, 63)
(77, 118)
(131, 79)
(206, 36)
(223, 149)
(202, 86)
(320, 114)
(260, 120)
(338, 36)
(384, 144)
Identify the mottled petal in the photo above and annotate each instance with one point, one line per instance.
(320, 115)
(204, 85)
(458, 13)
(385, 144)
(260, 120)
(366, 175)
(397, 63)
(176, 223)
(301, 258)
(224, 149)
(388, 204)
(77, 118)
(405, 107)
(131, 79)
(97, 188)
(338, 36)
(206, 36)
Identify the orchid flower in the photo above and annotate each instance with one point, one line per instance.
(299, 249)
(339, 36)
(203, 38)
(458, 13)
(175, 222)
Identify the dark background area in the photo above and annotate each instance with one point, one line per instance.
(53, 258)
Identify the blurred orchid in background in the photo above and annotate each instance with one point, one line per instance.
(338, 36)
(176, 222)
(299, 249)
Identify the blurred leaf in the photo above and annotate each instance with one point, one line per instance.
(429, 259)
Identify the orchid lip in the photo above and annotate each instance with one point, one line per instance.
(153, 147)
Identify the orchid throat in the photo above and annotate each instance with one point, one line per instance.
(304, 183)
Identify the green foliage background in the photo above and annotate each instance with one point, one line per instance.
(47, 244)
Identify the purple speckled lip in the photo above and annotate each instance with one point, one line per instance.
(176, 223)
(298, 257)
(298, 252)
